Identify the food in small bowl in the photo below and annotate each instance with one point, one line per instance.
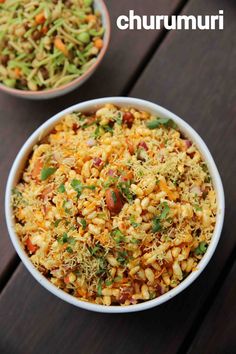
(115, 205)
(50, 47)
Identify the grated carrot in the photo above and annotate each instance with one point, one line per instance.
(98, 43)
(61, 46)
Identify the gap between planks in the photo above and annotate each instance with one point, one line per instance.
(153, 49)
(209, 302)
(10, 270)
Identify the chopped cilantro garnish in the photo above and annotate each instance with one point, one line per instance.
(16, 192)
(63, 238)
(135, 241)
(83, 223)
(156, 225)
(56, 223)
(109, 282)
(156, 222)
(111, 180)
(156, 123)
(122, 257)
(133, 222)
(197, 207)
(92, 187)
(107, 128)
(61, 188)
(99, 289)
(71, 240)
(77, 186)
(65, 206)
(97, 132)
(118, 235)
(117, 279)
(124, 188)
(165, 210)
(152, 296)
(77, 272)
(201, 249)
(102, 266)
(69, 249)
(47, 172)
(114, 197)
(94, 250)
(119, 118)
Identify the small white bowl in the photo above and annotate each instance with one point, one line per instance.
(62, 90)
(159, 111)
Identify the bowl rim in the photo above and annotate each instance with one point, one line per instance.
(88, 105)
(75, 82)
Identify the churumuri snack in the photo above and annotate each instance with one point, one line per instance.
(115, 206)
(47, 44)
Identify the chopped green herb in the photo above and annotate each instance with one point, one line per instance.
(16, 192)
(140, 173)
(69, 249)
(109, 282)
(156, 123)
(18, 198)
(197, 207)
(118, 235)
(111, 181)
(94, 250)
(122, 257)
(117, 279)
(102, 266)
(71, 240)
(133, 222)
(83, 223)
(92, 187)
(156, 225)
(152, 296)
(77, 186)
(99, 289)
(65, 206)
(119, 118)
(56, 223)
(63, 239)
(124, 188)
(61, 188)
(165, 210)
(201, 249)
(114, 197)
(156, 222)
(134, 241)
(77, 272)
(108, 128)
(47, 172)
(97, 132)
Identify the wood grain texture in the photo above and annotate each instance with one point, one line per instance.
(195, 78)
(19, 118)
(217, 333)
(193, 74)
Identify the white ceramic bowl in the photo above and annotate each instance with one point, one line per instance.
(90, 106)
(62, 90)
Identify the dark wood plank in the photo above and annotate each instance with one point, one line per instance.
(192, 74)
(217, 333)
(19, 118)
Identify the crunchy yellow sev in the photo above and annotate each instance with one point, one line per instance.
(115, 206)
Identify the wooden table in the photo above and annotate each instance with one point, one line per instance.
(193, 74)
